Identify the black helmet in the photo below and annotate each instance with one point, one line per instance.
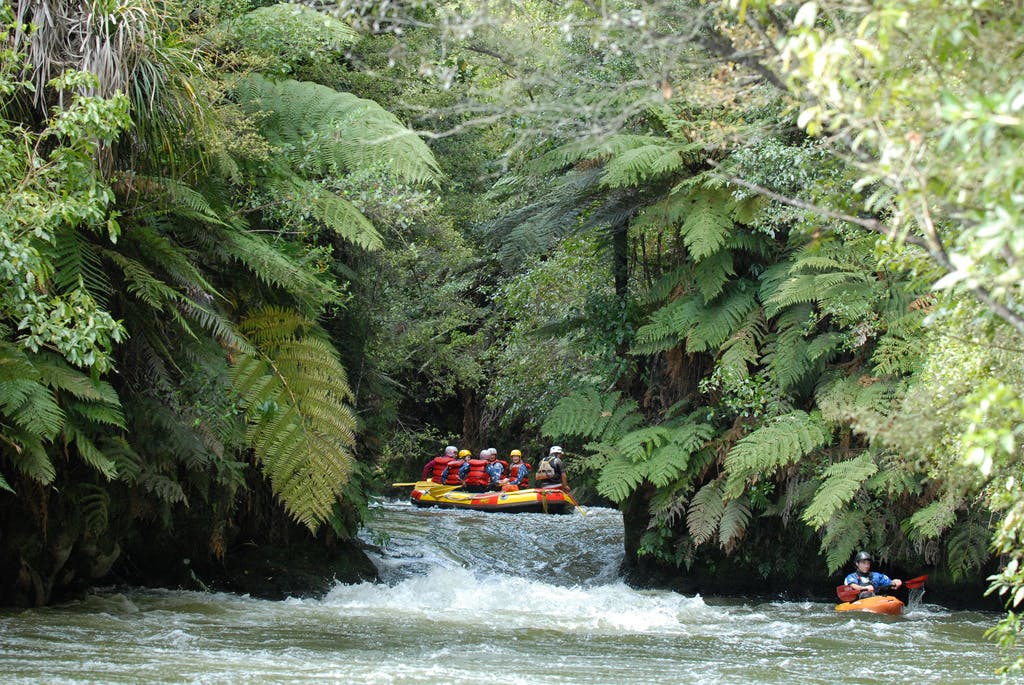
(862, 556)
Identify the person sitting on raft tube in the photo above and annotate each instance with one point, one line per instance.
(450, 475)
(550, 472)
(518, 473)
(867, 581)
(438, 463)
(495, 469)
(473, 474)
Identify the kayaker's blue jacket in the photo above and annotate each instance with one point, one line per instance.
(519, 474)
(463, 470)
(880, 581)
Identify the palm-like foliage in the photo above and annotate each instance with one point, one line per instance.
(301, 425)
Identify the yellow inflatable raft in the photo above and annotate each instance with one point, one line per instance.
(878, 604)
(537, 500)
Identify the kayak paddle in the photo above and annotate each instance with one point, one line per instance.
(848, 594)
(914, 583)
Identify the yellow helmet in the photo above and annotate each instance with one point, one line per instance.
(515, 453)
(464, 453)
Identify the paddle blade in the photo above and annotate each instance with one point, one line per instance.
(846, 593)
(914, 583)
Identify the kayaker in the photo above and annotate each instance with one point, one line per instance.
(867, 581)
(439, 462)
(518, 473)
(550, 472)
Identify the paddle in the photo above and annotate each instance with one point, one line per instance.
(576, 504)
(848, 594)
(435, 489)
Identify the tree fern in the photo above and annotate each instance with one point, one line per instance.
(931, 521)
(591, 414)
(301, 427)
(711, 274)
(787, 355)
(967, 548)
(668, 325)
(841, 481)
(785, 440)
(705, 512)
(643, 164)
(708, 225)
(742, 349)
(843, 535)
(733, 523)
(330, 129)
(669, 461)
(719, 320)
(618, 478)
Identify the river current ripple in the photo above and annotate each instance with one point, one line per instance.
(470, 597)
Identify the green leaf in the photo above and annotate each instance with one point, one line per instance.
(785, 440)
(841, 481)
(707, 226)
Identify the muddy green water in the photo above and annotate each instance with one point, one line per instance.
(475, 598)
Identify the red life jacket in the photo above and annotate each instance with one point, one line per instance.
(525, 483)
(477, 472)
(453, 471)
(504, 467)
(439, 464)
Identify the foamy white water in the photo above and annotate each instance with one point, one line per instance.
(482, 598)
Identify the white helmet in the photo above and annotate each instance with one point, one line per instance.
(492, 451)
(451, 451)
(555, 450)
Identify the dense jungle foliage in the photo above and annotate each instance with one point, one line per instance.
(755, 263)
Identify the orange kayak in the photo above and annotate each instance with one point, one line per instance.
(878, 604)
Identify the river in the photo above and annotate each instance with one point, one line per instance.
(472, 597)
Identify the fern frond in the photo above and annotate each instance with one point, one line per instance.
(30, 456)
(164, 488)
(705, 512)
(301, 428)
(642, 164)
(665, 285)
(733, 524)
(742, 348)
(841, 481)
(329, 129)
(711, 274)
(669, 461)
(968, 548)
(668, 325)
(637, 445)
(707, 226)
(90, 453)
(76, 260)
(619, 477)
(931, 521)
(716, 322)
(843, 535)
(785, 440)
(593, 415)
(787, 356)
